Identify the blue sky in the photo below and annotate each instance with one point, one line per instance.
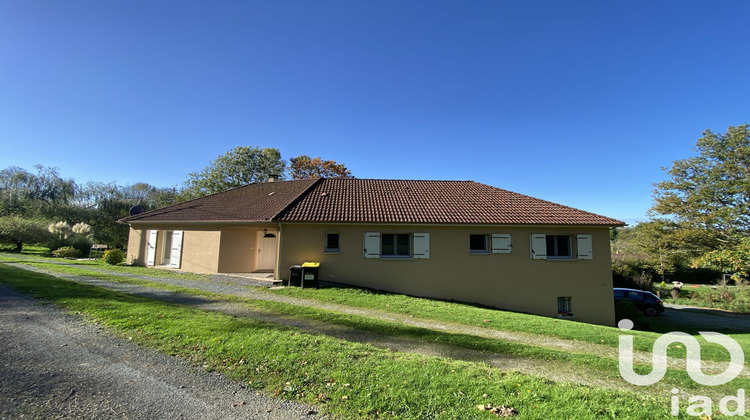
(577, 102)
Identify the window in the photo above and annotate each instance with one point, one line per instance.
(395, 245)
(564, 308)
(166, 247)
(558, 246)
(332, 243)
(478, 244)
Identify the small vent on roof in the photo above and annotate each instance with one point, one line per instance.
(272, 193)
(324, 194)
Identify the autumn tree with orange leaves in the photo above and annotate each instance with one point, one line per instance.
(305, 167)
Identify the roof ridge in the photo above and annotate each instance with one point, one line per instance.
(396, 179)
(299, 196)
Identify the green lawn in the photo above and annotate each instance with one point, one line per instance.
(502, 320)
(27, 249)
(97, 263)
(346, 379)
(605, 367)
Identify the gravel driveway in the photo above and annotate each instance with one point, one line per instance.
(56, 366)
(707, 319)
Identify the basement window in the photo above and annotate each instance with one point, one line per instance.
(564, 307)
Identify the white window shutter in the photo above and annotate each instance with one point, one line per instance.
(372, 244)
(176, 251)
(421, 245)
(151, 248)
(585, 247)
(538, 247)
(502, 243)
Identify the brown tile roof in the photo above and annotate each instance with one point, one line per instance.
(443, 202)
(250, 203)
(342, 200)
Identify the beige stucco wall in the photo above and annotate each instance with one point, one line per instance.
(510, 281)
(237, 254)
(200, 248)
(205, 249)
(200, 251)
(137, 241)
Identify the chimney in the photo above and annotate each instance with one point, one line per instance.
(273, 178)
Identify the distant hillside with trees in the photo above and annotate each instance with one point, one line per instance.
(42, 207)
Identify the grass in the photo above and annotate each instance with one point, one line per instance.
(499, 320)
(605, 367)
(27, 249)
(97, 263)
(346, 379)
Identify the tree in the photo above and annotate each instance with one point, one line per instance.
(706, 200)
(237, 167)
(46, 195)
(162, 197)
(19, 231)
(304, 167)
(711, 191)
(735, 259)
(41, 194)
(101, 205)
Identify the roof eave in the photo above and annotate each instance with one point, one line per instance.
(199, 222)
(584, 225)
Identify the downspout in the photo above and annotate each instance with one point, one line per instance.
(277, 269)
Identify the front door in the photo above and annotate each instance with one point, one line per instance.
(265, 254)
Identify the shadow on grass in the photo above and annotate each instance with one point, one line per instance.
(46, 286)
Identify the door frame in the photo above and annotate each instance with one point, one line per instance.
(271, 267)
(166, 248)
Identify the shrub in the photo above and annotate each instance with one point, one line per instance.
(625, 273)
(81, 243)
(643, 281)
(66, 252)
(114, 256)
(686, 274)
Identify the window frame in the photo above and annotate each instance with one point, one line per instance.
(565, 307)
(486, 249)
(552, 254)
(326, 243)
(395, 246)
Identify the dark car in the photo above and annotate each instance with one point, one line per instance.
(647, 302)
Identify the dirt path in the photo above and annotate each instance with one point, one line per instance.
(56, 366)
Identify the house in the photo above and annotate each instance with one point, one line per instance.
(452, 240)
